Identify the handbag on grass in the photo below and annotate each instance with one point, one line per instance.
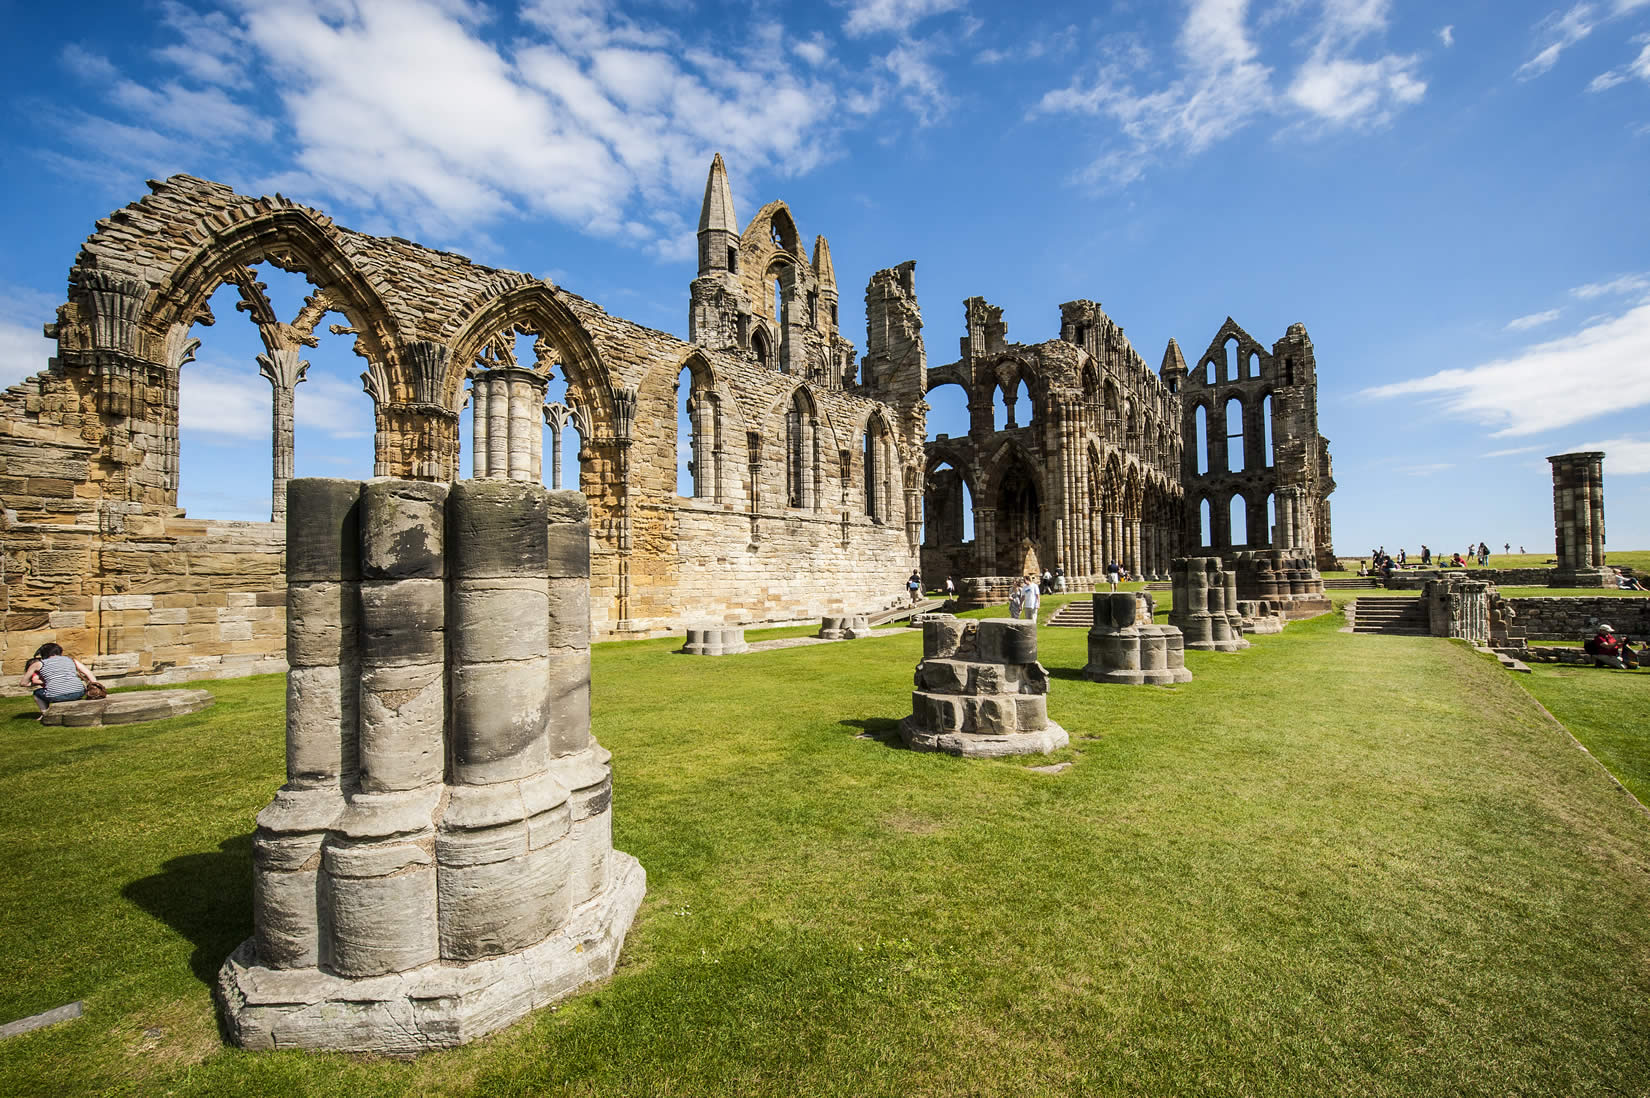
(96, 691)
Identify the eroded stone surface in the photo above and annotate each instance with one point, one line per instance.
(980, 691)
(440, 859)
(1125, 651)
(129, 708)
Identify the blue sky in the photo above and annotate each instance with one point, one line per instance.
(1451, 197)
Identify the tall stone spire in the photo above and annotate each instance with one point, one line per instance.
(717, 213)
(822, 264)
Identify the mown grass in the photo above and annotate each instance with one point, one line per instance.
(1333, 864)
(1607, 710)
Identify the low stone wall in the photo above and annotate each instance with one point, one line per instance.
(1576, 618)
(1414, 579)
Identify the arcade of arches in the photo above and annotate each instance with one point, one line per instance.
(795, 488)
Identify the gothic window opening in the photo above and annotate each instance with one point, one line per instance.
(733, 260)
(1272, 520)
(1201, 418)
(1019, 518)
(801, 454)
(763, 346)
(948, 414)
(1231, 356)
(566, 432)
(1234, 436)
(1205, 528)
(1238, 528)
(690, 441)
(307, 417)
(1267, 439)
(947, 513)
(878, 468)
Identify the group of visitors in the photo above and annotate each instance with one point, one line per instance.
(1027, 597)
(1053, 583)
(1381, 563)
(55, 677)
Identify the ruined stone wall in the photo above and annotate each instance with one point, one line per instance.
(1284, 458)
(1578, 618)
(1085, 469)
(89, 456)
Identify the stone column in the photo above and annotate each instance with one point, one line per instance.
(509, 424)
(285, 370)
(322, 710)
(1578, 519)
(382, 892)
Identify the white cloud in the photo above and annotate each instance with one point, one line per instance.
(1425, 470)
(1625, 284)
(430, 116)
(1622, 456)
(1638, 67)
(1224, 84)
(1560, 32)
(1446, 35)
(1533, 320)
(1514, 451)
(1602, 368)
(23, 350)
(235, 403)
(898, 16)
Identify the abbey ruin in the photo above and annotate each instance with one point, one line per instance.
(815, 489)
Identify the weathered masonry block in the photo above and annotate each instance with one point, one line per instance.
(980, 691)
(714, 640)
(852, 627)
(440, 859)
(1205, 605)
(1128, 651)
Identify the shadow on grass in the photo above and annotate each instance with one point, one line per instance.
(1071, 674)
(881, 729)
(31, 715)
(205, 897)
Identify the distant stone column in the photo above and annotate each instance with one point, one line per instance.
(1578, 520)
(285, 370)
(509, 423)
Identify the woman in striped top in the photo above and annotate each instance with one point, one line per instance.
(56, 677)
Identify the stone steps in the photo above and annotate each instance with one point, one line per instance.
(1074, 615)
(1350, 583)
(1390, 615)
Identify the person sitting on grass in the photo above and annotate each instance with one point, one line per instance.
(56, 677)
(1605, 648)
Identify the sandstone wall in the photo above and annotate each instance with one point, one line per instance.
(1578, 618)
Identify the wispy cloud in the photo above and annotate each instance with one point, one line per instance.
(234, 403)
(892, 16)
(1533, 320)
(1638, 68)
(1622, 285)
(1425, 470)
(1602, 368)
(1558, 32)
(1514, 451)
(1446, 35)
(1224, 84)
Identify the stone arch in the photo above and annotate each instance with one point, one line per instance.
(879, 456)
(535, 308)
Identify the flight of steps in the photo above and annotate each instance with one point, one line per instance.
(1390, 615)
(1350, 583)
(1077, 614)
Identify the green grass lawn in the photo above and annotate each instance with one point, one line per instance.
(1333, 864)
(1608, 711)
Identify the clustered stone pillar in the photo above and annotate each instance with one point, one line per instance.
(440, 860)
(714, 640)
(1127, 649)
(1289, 582)
(852, 627)
(1205, 605)
(509, 423)
(980, 691)
(1578, 520)
(1459, 607)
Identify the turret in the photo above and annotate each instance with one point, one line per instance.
(1173, 370)
(718, 226)
(826, 276)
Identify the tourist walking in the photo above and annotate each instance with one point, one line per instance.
(914, 586)
(1059, 580)
(1483, 555)
(1016, 599)
(1426, 555)
(1031, 600)
(1113, 572)
(950, 588)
